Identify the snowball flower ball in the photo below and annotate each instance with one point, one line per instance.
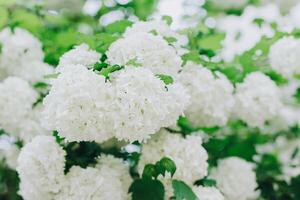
(41, 169)
(143, 104)
(77, 105)
(146, 50)
(257, 99)
(80, 55)
(160, 28)
(91, 184)
(207, 193)
(16, 100)
(211, 96)
(187, 153)
(284, 56)
(22, 55)
(235, 179)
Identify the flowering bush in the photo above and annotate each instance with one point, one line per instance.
(115, 100)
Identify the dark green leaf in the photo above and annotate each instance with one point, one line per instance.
(147, 189)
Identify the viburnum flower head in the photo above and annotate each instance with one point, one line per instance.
(91, 184)
(146, 50)
(79, 55)
(22, 55)
(284, 56)
(187, 153)
(236, 179)
(16, 101)
(207, 193)
(211, 96)
(161, 28)
(77, 105)
(257, 99)
(41, 169)
(143, 104)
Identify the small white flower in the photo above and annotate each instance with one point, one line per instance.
(207, 193)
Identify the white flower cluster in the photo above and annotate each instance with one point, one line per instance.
(9, 151)
(207, 193)
(80, 55)
(22, 55)
(235, 179)
(146, 50)
(211, 95)
(41, 170)
(187, 153)
(257, 99)
(158, 28)
(81, 106)
(284, 56)
(17, 116)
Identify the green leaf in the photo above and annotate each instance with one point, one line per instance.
(149, 171)
(165, 165)
(165, 78)
(40, 85)
(186, 126)
(182, 191)
(99, 66)
(133, 62)
(147, 189)
(170, 40)
(167, 19)
(118, 26)
(103, 41)
(3, 16)
(297, 95)
(48, 76)
(212, 42)
(106, 71)
(207, 182)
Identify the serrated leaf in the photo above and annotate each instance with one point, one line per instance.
(147, 189)
(182, 191)
(165, 165)
(149, 171)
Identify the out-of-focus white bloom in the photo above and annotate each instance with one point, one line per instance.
(9, 150)
(207, 193)
(16, 100)
(235, 179)
(80, 55)
(287, 152)
(284, 56)
(211, 96)
(257, 99)
(92, 184)
(41, 169)
(284, 5)
(34, 71)
(119, 170)
(160, 28)
(187, 153)
(143, 105)
(286, 117)
(22, 55)
(77, 105)
(146, 50)
(230, 4)
(65, 5)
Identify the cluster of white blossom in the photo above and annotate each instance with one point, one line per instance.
(41, 169)
(22, 55)
(236, 179)
(288, 155)
(18, 116)
(82, 106)
(208, 193)
(284, 56)
(180, 150)
(146, 50)
(211, 95)
(9, 151)
(257, 99)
